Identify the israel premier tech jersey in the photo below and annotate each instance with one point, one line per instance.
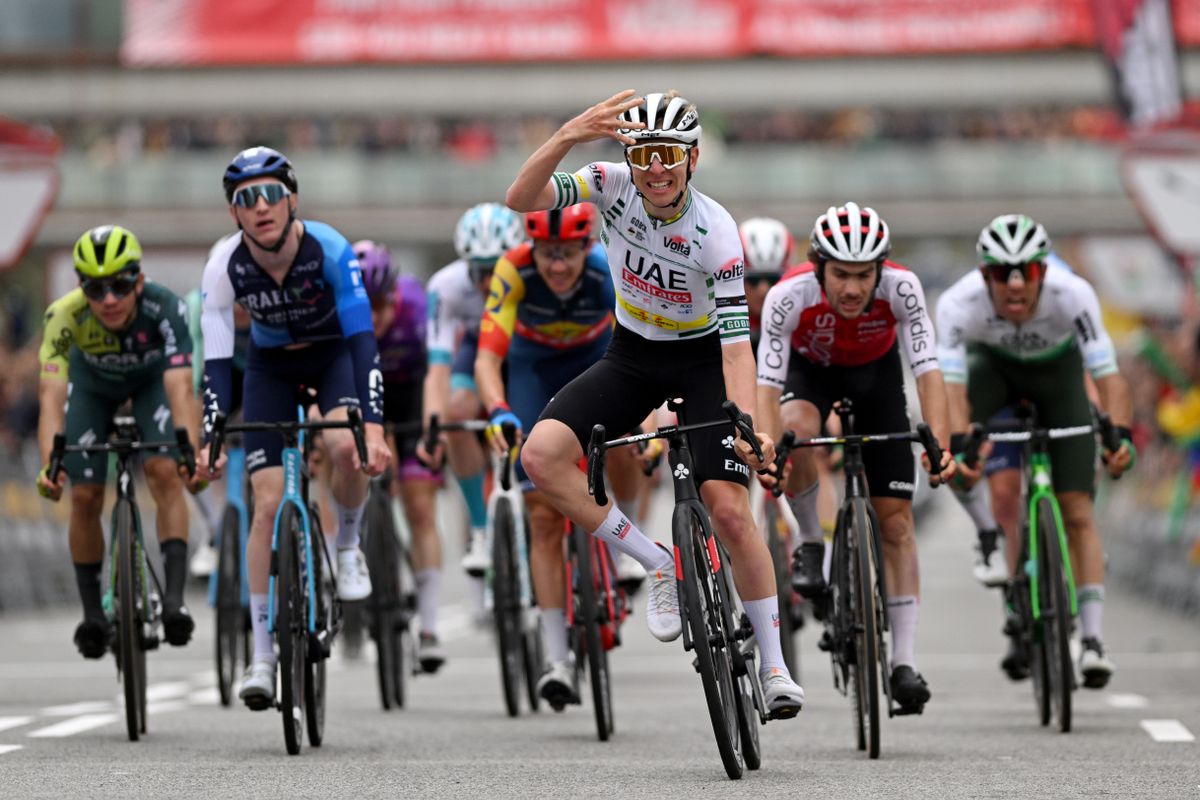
(676, 279)
(321, 298)
(524, 320)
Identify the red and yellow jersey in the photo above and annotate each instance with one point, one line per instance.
(523, 315)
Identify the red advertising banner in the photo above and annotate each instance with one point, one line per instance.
(217, 32)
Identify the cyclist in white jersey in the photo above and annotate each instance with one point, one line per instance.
(455, 295)
(1014, 330)
(682, 331)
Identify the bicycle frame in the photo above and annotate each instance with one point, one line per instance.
(125, 493)
(295, 493)
(1037, 486)
(508, 488)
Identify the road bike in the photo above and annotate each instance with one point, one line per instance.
(304, 613)
(713, 627)
(1042, 593)
(508, 590)
(133, 599)
(854, 607)
(228, 588)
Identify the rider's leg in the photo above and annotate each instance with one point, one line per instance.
(420, 510)
(902, 573)
(85, 538)
(166, 488)
(548, 570)
(1005, 488)
(465, 454)
(348, 486)
(626, 480)
(802, 486)
(267, 486)
(1087, 560)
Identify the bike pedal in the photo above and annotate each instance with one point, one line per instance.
(825, 643)
(908, 711)
(150, 642)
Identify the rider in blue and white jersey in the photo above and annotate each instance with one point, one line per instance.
(311, 326)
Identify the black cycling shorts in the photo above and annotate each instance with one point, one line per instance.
(636, 376)
(877, 391)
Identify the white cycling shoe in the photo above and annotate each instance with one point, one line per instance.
(353, 580)
(662, 604)
(203, 562)
(557, 685)
(258, 685)
(783, 696)
(990, 567)
(477, 560)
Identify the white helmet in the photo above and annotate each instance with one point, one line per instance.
(767, 245)
(488, 231)
(1012, 239)
(851, 234)
(665, 118)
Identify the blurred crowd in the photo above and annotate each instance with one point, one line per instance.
(479, 138)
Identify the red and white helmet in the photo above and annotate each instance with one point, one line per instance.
(851, 234)
(767, 244)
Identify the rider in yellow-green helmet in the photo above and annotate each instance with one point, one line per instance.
(106, 250)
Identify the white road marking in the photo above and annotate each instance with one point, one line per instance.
(1167, 730)
(165, 706)
(205, 697)
(7, 723)
(166, 691)
(70, 727)
(8, 748)
(75, 709)
(1127, 701)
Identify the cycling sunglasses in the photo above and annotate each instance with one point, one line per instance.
(1000, 273)
(670, 156)
(561, 252)
(271, 192)
(119, 285)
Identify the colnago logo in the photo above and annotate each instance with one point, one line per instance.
(919, 328)
(677, 244)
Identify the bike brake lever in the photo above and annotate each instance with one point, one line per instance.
(56, 456)
(1108, 436)
(974, 441)
(932, 449)
(595, 470)
(218, 438)
(187, 456)
(356, 427)
(744, 425)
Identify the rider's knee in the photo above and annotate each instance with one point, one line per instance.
(340, 447)
(897, 528)
(545, 525)
(1077, 513)
(162, 478)
(540, 456)
(87, 498)
(463, 405)
(735, 523)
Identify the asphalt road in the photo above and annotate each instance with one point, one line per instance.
(62, 734)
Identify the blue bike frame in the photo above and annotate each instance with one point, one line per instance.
(293, 480)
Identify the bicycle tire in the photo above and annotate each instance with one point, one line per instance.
(230, 614)
(533, 657)
(290, 629)
(589, 616)
(1056, 616)
(840, 626)
(132, 658)
(866, 622)
(507, 606)
(1032, 634)
(314, 657)
(781, 560)
(691, 532)
(384, 601)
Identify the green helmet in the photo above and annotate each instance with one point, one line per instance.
(106, 250)
(1012, 239)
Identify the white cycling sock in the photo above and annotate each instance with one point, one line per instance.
(1090, 598)
(264, 646)
(554, 634)
(903, 611)
(764, 618)
(348, 524)
(429, 583)
(804, 506)
(622, 534)
(975, 503)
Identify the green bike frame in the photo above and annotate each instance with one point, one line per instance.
(1041, 488)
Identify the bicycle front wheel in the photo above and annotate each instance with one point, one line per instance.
(591, 613)
(132, 657)
(383, 605)
(863, 583)
(696, 590)
(230, 615)
(1054, 599)
(507, 601)
(314, 654)
(291, 628)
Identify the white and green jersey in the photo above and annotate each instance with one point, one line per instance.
(674, 279)
(1068, 315)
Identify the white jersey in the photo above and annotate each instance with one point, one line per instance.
(455, 306)
(1068, 315)
(797, 316)
(675, 279)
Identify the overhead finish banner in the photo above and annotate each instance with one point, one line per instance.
(217, 32)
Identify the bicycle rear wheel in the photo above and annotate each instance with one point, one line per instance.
(1053, 595)
(507, 602)
(590, 615)
(781, 559)
(314, 653)
(712, 661)
(229, 604)
(290, 628)
(866, 628)
(132, 657)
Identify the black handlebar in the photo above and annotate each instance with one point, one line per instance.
(745, 426)
(1109, 438)
(783, 451)
(595, 466)
(933, 451)
(431, 435)
(354, 417)
(56, 456)
(971, 445)
(187, 455)
(353, 421)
